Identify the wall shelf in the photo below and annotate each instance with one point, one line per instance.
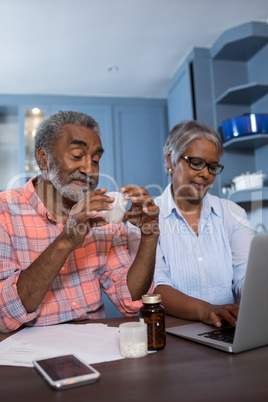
(243, 94)
(241, 43)
(251, 195)
(247, 142)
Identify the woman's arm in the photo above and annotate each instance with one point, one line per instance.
(182, 306)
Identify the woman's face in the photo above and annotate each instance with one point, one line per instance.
(188, 183)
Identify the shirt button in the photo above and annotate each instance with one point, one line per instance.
(200, 259)
(74, 303)
(63, 269)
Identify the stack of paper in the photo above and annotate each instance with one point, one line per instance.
(94, 343)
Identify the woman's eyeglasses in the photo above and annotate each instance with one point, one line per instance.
(200, 164)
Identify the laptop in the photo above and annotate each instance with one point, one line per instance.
(252, 323)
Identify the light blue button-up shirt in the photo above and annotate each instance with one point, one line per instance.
(210, 266)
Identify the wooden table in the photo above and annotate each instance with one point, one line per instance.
(183, 371)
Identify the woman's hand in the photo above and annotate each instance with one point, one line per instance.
(215, 314)
(143, 212)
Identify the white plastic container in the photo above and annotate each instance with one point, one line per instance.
(116, 214)
(133, 339)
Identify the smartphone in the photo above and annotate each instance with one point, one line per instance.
(66, 371)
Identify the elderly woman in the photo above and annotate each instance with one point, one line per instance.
(204, 240)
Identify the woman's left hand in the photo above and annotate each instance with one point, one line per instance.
(215, 314)
(143, 212)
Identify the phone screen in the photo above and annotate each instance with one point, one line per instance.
(62, 367)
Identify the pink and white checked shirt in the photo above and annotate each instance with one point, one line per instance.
(26, 230)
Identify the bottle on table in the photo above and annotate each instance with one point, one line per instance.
(153, 314)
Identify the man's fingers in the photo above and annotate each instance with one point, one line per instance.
(134, 191)
(152, 211)
(98, 221)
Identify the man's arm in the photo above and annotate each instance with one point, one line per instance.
(141, 272)
(35, 281)
(143, 214)
(186, 307)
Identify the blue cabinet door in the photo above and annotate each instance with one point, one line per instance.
(180, 105)
(140, 134)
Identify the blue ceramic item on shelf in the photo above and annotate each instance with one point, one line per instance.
(248, 124)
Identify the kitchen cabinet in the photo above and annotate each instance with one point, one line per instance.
(190, 91)
(180, 104)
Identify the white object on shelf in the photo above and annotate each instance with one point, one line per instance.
(248, 180)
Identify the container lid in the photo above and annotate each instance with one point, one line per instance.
(133, 327)
(151, 298)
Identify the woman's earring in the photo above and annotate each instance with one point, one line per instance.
(170, 171)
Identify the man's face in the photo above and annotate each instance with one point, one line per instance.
(73, 167)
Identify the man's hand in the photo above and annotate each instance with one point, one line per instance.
(85, 215)
(215, 314)
(143, 212)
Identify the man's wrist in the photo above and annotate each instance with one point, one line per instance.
(149, 238)
(150, 230)
(66, 243)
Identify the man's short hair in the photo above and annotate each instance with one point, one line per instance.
(50, 128)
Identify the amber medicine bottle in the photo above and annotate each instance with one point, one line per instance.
(154, 316)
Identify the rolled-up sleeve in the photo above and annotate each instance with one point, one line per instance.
(12, 311)
(162, 271)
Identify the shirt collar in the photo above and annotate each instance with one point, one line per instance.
(211, 204)
(35, 201)
(168, 206)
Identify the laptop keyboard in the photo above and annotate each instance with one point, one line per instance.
(223, 335)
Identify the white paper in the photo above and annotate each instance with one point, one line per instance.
(94, 343)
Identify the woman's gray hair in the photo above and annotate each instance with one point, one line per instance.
(184, 134)
(50, 128)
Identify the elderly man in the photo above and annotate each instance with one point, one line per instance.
(56, 251)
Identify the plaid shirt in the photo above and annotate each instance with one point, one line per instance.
(26, 230)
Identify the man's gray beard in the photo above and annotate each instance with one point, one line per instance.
(70, 191)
